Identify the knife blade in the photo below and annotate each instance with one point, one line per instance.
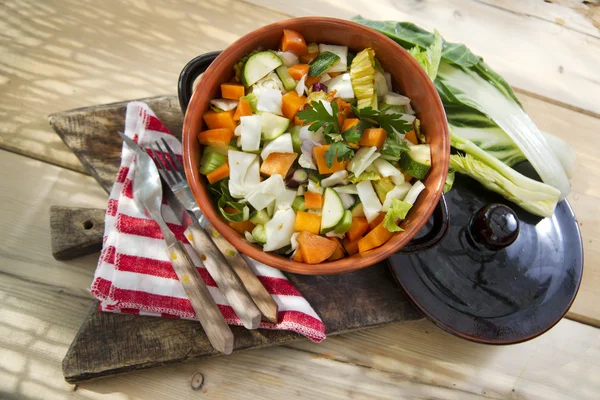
(227, 280)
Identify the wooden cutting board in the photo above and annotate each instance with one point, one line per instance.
(108, 344)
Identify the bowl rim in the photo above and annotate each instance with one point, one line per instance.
(346, 264)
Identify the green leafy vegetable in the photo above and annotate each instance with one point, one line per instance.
(449, 181)
(393, 148)
(210, 161)
(221, 191)
(365, 176)
(362, 76)
(353, 134)
(317, 116)
(389, 122)
(430, 57)
(397, 212)
(339, 150)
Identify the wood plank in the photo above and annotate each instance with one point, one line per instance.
(533, 54)
(575, 15)
(52, 59)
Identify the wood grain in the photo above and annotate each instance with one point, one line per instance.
(76, 232)
(534, 54)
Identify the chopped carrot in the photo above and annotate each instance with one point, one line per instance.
(407, 177)
(231, 210)
(334, 74)
(339, 251)
(344, 109)
(411, 136)
(241, 227)
(243, 110)
(311, 80)
(298, 71)
(378, 236)
(319, 152)
(218, 174)
(376, 221)
(216, 120)
(373, 137)
(357, 229)
(291, 103)
(232, 91)
(278, 163)
(350, 246)
(315, 248)
(298, 255)
(349, 123)
(216, 137)
(309, 57)
(313, 200)
(294, 42)
(298, 121)
(306, 221)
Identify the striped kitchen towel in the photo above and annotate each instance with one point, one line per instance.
(134, 274)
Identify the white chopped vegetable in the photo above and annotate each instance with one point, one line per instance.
(306, 134)
(245, 213)
(301, 190)
(341, 51)
(410, 118)
(301, 86)
(347, 200)
(395, 99)
(385, 168)
(285, 200)
(325, 77)
(414, 192)
(288, 58)
(294, 241)
(270, 100)
(337, 235)
(266, 192)
(408, 109)
(327, 106)
(342, 85)
(380, 85)
(238, 141)
(249, 237)
(362, 159)
(250, 132)
(315, 188)
(337, 178)
(349, 189)
(224, 104)
(399, 192)
(244, 172)
(388, 80)
(271, 81)
(283, 144)
(238, 130)
(279, 229)
(306, 161)
(371, 204)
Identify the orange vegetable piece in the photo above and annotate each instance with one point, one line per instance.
(339, 251)
(216, 137)
(311, 80)
(319, 152)
(411, 136)
(232, 91)
(278, 163)
(298, 71)
(231, 210)
(298, 121)
(298, 255)
(308, 58)
(217, 120)
(376, 221)
(294, 42)
(349, 123)
(373, 137)
(344, 109)
(357, 229)
(291, 103)
(219, 173)
(243, 110)
(306, 221)
(313, 200)
(378, 236)
(407, 177)
(315, 248)
(334, 74)
(350, 246)
(241, 227)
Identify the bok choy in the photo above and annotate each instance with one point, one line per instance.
(487, 122)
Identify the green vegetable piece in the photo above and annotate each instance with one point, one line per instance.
(322, 63)
(449, 181)
(382, 187)
(362, 76)
(252, 100)
(417, 161)
(260, 217)
(344, 225)
(211, 161)
(259, 233)
(298, 204)
(429, 59)
(397, 212)
(289, 83)
(365, 176)
(258, 66)
(296, 142)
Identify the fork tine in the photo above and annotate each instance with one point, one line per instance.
(172, 167)
(163, 171)
(175, 159)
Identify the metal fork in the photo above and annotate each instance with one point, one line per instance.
(147, 190)
(173, 173)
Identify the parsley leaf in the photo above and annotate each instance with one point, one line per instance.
(339, 150)
(393, 147)
(317, 116)
(389, 122)
(354, 133)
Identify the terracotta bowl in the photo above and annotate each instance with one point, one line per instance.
(408, 78)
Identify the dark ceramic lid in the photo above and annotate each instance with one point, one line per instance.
(500, 275)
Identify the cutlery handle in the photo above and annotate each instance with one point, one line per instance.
(218, 332)
(226, 279)
(255, 288)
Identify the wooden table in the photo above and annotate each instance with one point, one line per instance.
(57, 55)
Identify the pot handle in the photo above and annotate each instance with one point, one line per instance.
(435, 235)
(189, 73)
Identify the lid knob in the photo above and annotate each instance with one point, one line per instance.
(494, 226)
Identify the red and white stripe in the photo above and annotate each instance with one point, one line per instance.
(134, 275)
